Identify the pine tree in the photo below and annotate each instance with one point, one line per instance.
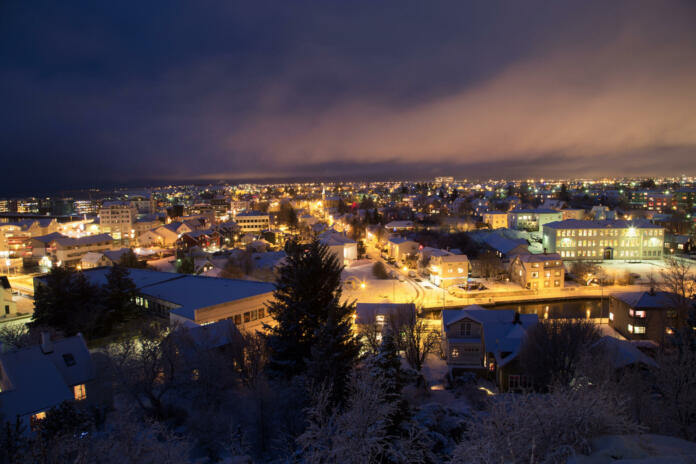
(334, 353)
(308, 290)
(119, 296)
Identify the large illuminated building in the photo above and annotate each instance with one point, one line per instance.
(604, 240)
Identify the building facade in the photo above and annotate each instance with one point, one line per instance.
(538, 272)
(117, 218)
(496, 219)
(650, 315)
(449, 270)
(252, 221)
(604, 240)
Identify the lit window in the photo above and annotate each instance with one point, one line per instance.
(80, 392)
(611, 316)
(639, 330)
(36, 418)
(454, 353)
(630, 328)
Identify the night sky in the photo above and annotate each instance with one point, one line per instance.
(103, 92)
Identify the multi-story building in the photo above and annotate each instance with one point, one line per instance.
(448, 270)
(604, 240)
(648, 315)
(685, 199)
(538, 272)
(486, 341)
(117, 218)
(13, 240)
(68, 251)
(252, 221)
(84, 207)
(533, 219)
(495, 219)
(659, 202)
(638, 198)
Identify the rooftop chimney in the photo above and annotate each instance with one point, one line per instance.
(46, 343)
(516, 319)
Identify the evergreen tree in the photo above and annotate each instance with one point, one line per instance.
(128, 259)
(307, 294)
(119, 296)
(385, 367)
(52, 299)
(334, 353)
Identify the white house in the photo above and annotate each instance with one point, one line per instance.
(345, 249)
(400, 248)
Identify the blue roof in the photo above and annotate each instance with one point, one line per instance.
(195, 292)
(646, 300)
(603, 224)
(502, 244)
(191, 292)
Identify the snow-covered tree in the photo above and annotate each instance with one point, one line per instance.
(536, 428)
(385, 367)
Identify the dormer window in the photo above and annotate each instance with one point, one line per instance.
(69, 359)
(465, 329)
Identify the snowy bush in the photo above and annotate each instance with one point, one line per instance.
(535, 428)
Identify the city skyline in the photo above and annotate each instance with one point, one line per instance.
(118, 94)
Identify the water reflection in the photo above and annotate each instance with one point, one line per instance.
(582, 308)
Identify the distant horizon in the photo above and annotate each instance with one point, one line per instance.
(145, 184)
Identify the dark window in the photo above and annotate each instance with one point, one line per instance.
(247, 317)
(7, 309)
(69, 359)
(237, 319)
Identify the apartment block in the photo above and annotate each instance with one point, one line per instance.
(604, 240)
(117, 218)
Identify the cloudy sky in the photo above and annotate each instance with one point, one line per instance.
(120, 92)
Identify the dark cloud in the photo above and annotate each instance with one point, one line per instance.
(99, 92)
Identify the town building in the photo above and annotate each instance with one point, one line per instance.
(117, 218)
(533, 219)
(7, 305)
(650, 315)
(400, 248)
(13, 241)
(505, 247)
(196, 300)
(94, 259)
(343, 248)
(399, 226)
(487, 341)
(572, 214)
(496, 219)
(68, 251)
(253, 221)
(538, 272)
(39, 377)
(604, 240)
(448, 270)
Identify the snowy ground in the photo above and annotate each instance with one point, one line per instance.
(376, 290)
(644, 268)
